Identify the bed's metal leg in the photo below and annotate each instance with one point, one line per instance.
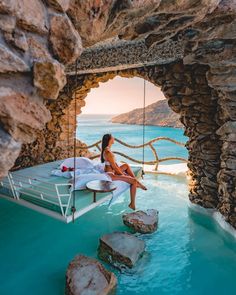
(94, 197)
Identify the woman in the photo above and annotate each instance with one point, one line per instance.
(122, 172)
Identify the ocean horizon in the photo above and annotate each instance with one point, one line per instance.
(91, 128)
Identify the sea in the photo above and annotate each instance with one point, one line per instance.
(92, 127)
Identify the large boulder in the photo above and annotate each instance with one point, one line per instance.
(30, 14)
(144, 222)
(37, 49)
(10, 149)
(21, 115)
(60, 5)
(120, 249)
(65, 40)
(49, 78)
(87, 276)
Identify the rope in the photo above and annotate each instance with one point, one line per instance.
(68, 122)
(144, 117)
(135, 146)
(73, 208)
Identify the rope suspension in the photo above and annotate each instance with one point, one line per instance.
(68, 122)
(144, 120)
(73, 208)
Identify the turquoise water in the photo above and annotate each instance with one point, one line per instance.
(189, 254)
(92, 127)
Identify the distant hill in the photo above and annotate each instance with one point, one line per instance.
(157, 114)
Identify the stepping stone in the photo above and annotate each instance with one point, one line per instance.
(87, 276)
(144, 222)
(120, 249)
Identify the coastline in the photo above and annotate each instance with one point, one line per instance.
(159, 125)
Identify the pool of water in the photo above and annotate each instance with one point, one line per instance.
(189, 254)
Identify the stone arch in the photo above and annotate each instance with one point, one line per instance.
(188, 93)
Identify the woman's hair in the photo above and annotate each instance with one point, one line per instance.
(105, 141)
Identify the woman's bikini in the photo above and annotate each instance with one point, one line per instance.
(112, 172)
(107, 163)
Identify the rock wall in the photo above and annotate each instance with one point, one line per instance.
(31, 69)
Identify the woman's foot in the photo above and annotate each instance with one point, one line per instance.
(132, 206)
(142, 186)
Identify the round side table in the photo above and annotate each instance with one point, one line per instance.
(100, 186)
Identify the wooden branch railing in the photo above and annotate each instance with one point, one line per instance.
(150, 143)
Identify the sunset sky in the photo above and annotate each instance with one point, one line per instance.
(120, 95)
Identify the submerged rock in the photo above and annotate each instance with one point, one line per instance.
(121, 249)
(142, 221)
(88, 276)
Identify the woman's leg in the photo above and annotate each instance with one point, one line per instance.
(133, 186)
(126, 168)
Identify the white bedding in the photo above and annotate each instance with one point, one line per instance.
(87, 171)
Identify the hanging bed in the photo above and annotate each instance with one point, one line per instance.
(38, 189)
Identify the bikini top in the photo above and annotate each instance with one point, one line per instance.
(106, 162)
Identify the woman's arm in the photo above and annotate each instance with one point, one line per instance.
(114, 166)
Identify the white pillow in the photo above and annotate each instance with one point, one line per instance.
(80, 163)
(83, 179)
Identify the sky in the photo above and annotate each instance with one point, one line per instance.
(120, 95)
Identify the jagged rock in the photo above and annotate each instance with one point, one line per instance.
(66, 42)
(7, 6)
(20, 116)
(120, 249)
(60, 5)
(7, 23)
(10, 149)
(227, 128)
(49, 78)
(31, 15)
(38, 50)
(142, 221)
(10, 62)
(223, 79)
(85, 275)
(17, 39)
